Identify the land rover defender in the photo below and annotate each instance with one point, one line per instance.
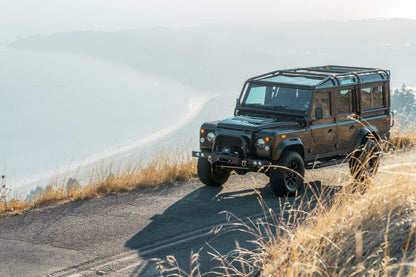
(287, 121)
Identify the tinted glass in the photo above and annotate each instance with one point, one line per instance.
(344, 101)
(278, 97)
(371, 97)
(348, 81)
(256, 96)
(377, 96)
(365, 98)
(323, 100)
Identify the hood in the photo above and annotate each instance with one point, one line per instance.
(254, 123)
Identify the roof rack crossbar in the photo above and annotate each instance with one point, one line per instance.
(325, 80)
(333, 71)
(287, 72)
(305, 74)
(338, 69)
(326, 72)
(284, 84)
(358, 77)
(344, 68)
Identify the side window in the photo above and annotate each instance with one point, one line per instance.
(371, 97)
(365, 98)
(378, 96)
(323, 100)
(344, 101)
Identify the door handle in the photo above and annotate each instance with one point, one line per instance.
(330, 131)
(352, 127)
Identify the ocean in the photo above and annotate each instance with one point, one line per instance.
(61, 111)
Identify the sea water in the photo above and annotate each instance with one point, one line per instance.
(61, 110)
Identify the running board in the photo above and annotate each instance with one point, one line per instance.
(325, 164)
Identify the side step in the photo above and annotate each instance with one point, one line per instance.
(327, 163)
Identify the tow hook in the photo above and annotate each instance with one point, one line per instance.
(243, 163)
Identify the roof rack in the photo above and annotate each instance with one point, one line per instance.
(322, 74)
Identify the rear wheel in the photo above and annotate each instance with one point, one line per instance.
(364, 160)
(287, 178)
(211, 175)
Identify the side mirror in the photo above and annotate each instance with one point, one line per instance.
(236, 110)
(319, 114)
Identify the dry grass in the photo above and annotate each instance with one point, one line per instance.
(361, 229)
(371, 234)
(359, 234)
(368, 229)
(402, 139)
(163, 170)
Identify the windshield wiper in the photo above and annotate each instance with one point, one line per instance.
(256, 109)
(276, 107)
(280, 110)
(255, 105)
(267, 107)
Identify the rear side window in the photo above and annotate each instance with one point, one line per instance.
(377, 96)
(371, 97)
(323, 100)
(344, 101)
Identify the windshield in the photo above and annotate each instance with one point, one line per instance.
(278, 98)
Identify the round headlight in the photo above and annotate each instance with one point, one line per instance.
(260, 143)
(210, 136)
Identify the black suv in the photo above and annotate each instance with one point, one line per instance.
(287, 121)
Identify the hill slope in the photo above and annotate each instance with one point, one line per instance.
(222, 56)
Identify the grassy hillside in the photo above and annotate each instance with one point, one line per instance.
(355, 229)
(364, 229)
(362, 233)
(107, 179)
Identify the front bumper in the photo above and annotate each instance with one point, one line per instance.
(231, 160)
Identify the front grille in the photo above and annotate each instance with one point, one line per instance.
(229, 145)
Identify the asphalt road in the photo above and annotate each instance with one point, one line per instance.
(120, 235)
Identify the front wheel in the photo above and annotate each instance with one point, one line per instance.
(364, 161)
(287, 178)
(211, 175)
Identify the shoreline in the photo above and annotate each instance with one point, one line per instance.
(79, 168)
(37, 161)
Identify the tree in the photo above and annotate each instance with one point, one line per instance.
(403, 102)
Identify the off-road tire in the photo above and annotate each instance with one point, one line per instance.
(364, 161)
(210, 175)
(284, 181)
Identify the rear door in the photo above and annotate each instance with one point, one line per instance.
(348, 123)
(323, 131)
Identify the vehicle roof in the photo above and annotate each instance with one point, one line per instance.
(324, 76)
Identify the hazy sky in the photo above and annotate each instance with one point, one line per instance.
(28, 17)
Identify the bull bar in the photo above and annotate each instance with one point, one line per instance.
(231, 160)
